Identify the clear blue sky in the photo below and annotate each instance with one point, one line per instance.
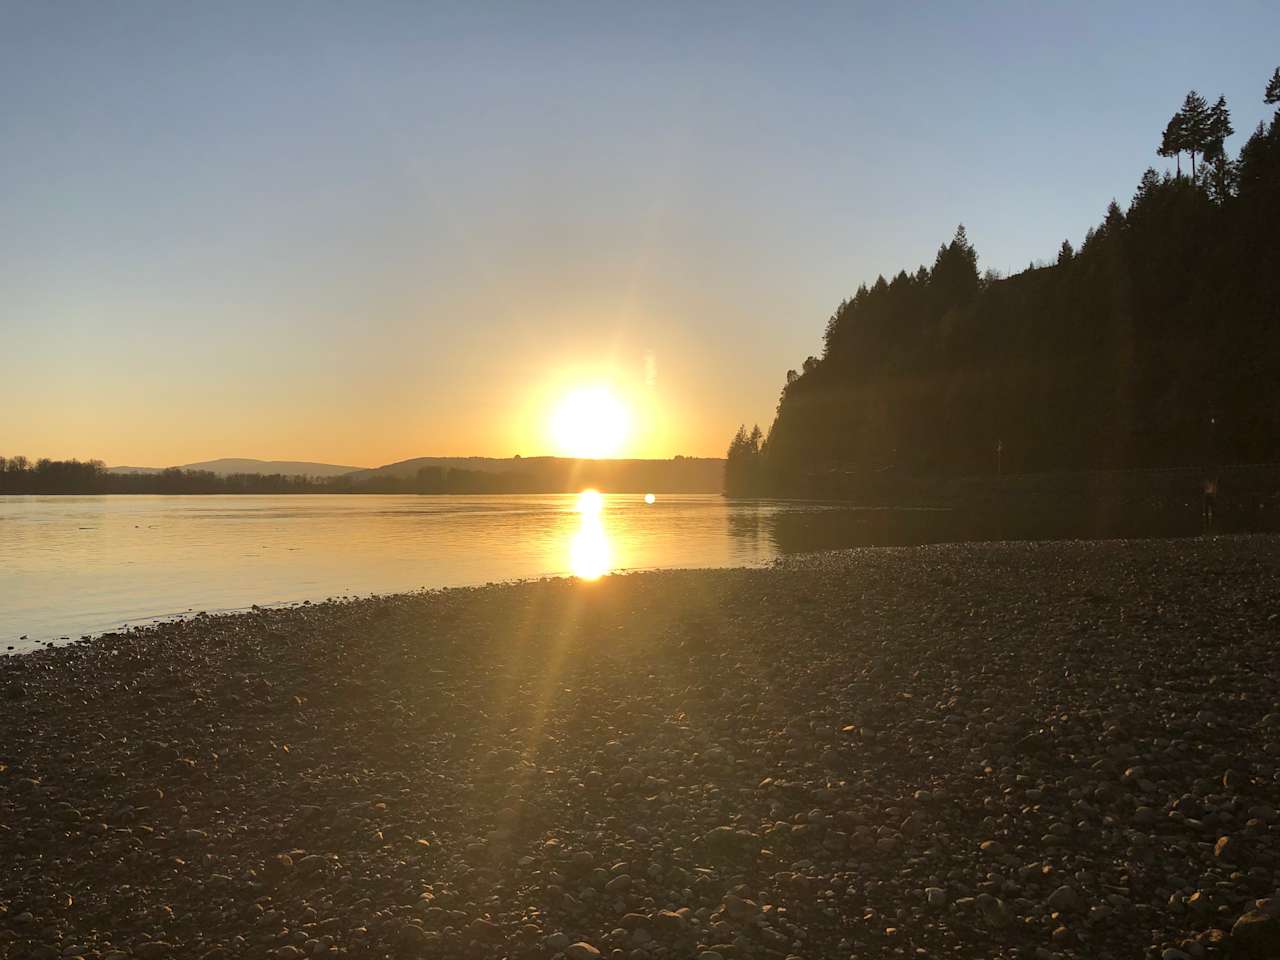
(364, 231)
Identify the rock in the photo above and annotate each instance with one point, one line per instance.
(670, 922)
(936, 897)
(1065, 900)
(1257, 935)
(740, 909)
(486, 931)
(310, 864)
(153, 950)
(993, 911)
(728, 842)
(581, 951)
(1229, 850)
(618, 885)
(556, 942)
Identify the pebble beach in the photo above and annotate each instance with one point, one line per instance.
(1031, 750)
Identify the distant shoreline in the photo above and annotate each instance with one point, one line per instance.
(424, 475)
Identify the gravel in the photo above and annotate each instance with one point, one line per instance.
(985, 750)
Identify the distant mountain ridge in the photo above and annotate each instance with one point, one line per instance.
(558, 474)
(510, 474)
(231, 465)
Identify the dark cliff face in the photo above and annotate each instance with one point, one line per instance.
(1157, 344)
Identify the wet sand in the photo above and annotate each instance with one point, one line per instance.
(982, 750)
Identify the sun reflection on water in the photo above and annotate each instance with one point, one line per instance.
(589, 555)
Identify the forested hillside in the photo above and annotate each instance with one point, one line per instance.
(1157, 343)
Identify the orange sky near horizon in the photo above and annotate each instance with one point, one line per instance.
(376, 404)
(362, 233)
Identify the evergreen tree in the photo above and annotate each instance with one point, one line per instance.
(1147, 186)
(1195, 126)
(1066, 253)
(742, 468)
(1174, 140)
(1272, 94)
(1217, 129)
(954, 279)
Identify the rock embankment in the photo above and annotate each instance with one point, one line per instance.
(1034, 750)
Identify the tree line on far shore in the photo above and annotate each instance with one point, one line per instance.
(527, 475)
(18, 475)
(1156, 343)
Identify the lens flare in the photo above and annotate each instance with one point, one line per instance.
(649, 498)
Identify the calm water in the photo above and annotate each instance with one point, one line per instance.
(71, 566)
(78, 565)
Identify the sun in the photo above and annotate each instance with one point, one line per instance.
(590, 422)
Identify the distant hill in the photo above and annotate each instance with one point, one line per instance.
(231, 465)
(560, 474)
(482, 474)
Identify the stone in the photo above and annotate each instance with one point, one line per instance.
(1229, 850)
(311, 863)
(670, 922)
(1065, 900)
(581, 951)
(1256, 934)
(993, 910)
(740, 909)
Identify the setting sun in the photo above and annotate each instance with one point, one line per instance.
(590, 422)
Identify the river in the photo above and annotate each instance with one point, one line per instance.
(73, 566)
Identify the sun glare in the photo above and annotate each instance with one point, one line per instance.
(589, 550)
(589, 423)
(590, 502)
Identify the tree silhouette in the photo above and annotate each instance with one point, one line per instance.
(1195, 125)
(1174, 140)
(1108, 358)
(1217, 129)
(742, 468)
(1272, 94)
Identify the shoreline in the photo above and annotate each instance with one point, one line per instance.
(1011, 749)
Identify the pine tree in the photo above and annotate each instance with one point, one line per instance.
(1066, 253)
(1221, 177)
(1273, 88)
(1147, 186)
(1174, 140)
(1113, 224)
(1217, 129)
(1195, 126)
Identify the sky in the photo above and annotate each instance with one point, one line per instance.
(358, 233)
